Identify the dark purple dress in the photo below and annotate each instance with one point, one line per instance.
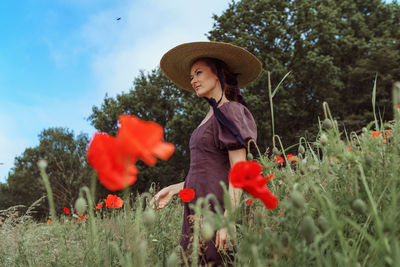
(209, 164)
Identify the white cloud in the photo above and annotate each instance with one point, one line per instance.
(147, 30)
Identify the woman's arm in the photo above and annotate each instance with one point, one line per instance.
(165, 195)
(235, 193)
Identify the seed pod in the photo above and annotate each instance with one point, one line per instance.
(322, 223)
(323, 139)
(80, 205)
(42, 164)
(207, 231)
(327, 124)
(301, 150)
(297, 200)
(250, 156)
(364, 130)
(172, 260)
(275, 151)
(307, 229)
(285, 239)
(359, 206)
(149, 217)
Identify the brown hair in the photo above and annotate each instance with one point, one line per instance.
(230, 81)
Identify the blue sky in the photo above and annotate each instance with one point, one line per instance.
(59, 58)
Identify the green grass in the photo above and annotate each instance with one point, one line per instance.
(315, 224)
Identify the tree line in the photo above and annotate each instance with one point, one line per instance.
(333, 50)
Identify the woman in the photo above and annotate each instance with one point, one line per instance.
(214, 71)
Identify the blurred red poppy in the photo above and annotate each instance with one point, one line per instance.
(290, 157)
(99, 206)
(280, 160)
(143, 139)
(49, 222)
(186, 194)
(250, 202)
(66, 210)
(247, 175)
(114, 171)
(113, 201)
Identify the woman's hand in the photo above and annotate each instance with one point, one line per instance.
(163, 197)
(221, 239)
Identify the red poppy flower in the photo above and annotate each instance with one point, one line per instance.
(99, 206)
(49, 222)
(143, 139)
(83, 218)
(250, 202)
(186, 194)
(247, 175)
(280, 160)
(375, 134)
(113, 201)
(66, 210)
(350, 148)
(290, 157)
(78, 220)
(114, 170)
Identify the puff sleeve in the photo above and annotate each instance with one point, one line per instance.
(242, 119)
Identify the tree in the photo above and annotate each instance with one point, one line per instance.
(67, 169)
(333, 48)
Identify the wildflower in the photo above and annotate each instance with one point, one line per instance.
(49, 222)
(114, 158)
(249, 202)
(143, 139)
(78, 220)
(186, 194)
(114, 171)
(350, 148)
(280, 160)
(99, 206)
(83, 218)
(113, 201)
(66, 210)
(247, 175)
(375, 134)
(290, 157)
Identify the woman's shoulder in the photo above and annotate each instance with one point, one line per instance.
(233, 106)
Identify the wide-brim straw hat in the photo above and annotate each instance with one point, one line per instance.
(176, 63)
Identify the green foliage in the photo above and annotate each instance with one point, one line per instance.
(333, 50)
(338, 209)
(67, 169)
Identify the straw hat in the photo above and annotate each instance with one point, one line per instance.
(176, 63)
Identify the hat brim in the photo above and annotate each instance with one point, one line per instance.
(176, 63)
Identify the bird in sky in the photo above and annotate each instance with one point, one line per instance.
(118, 18)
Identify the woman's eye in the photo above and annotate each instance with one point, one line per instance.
(198, 72)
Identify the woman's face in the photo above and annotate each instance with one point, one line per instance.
(203, 80)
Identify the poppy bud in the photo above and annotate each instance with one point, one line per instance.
(250, 156)
(172, 260)
(359, 206)
(80, 205)
(364, 130)
(149, 217)
(323, 139)
(207, 231)
(275, 151)
(327, 124)
(285, 239)
(322, 223)
(301, 150)
(297, 200)
(307, 229)
(42, 164)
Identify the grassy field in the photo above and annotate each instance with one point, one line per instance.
(338, 206)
